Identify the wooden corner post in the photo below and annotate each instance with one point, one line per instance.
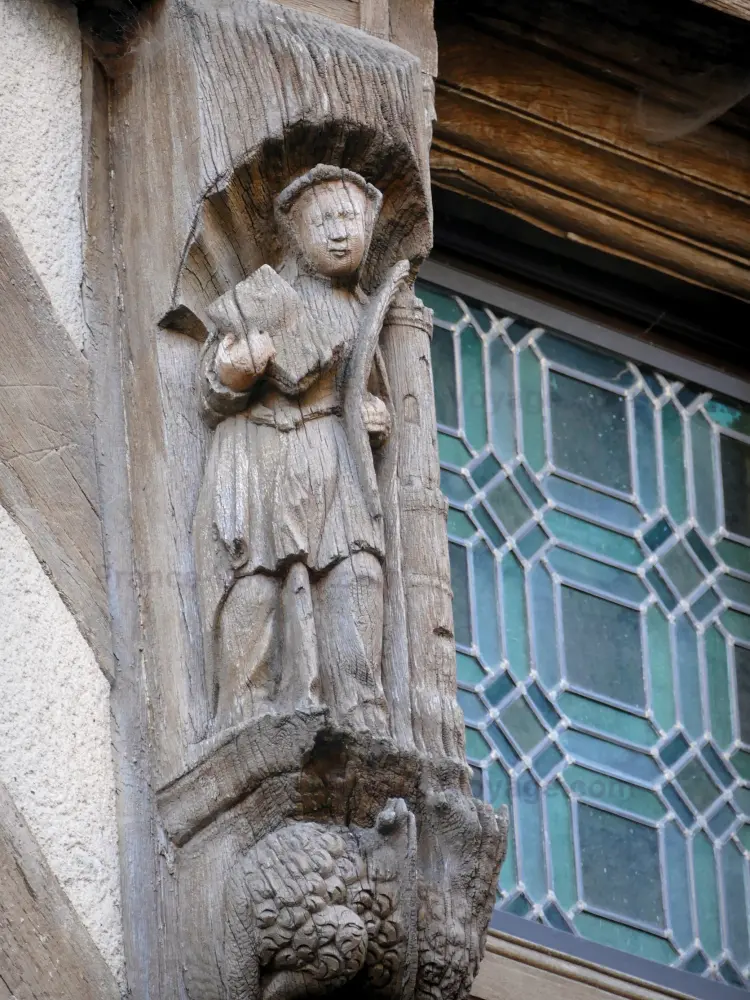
(313, 828)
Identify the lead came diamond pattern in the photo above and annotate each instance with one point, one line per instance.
(599, 523)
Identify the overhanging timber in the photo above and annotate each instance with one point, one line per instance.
(601, 130)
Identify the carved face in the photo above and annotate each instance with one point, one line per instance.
(332, 221)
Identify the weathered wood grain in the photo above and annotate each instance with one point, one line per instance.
(737, 8)
(45, 951)
(564, 127)
(47, 470)
(140, 858)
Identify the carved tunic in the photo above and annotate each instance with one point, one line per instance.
(281, 484)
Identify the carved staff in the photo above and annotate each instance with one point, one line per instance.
(358, 372)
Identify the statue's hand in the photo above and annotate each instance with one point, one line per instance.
(241, 360)
(376, 418)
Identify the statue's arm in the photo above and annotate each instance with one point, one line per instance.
(229, 368)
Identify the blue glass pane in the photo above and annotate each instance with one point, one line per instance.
(602, 614)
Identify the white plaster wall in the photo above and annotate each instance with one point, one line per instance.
(55, 744)
(40, 144)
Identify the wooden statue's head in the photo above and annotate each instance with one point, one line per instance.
(327, 217)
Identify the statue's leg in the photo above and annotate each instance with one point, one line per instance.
(300, 677)
(348, 603)
(246, 648)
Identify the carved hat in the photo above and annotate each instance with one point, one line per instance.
(319, 175)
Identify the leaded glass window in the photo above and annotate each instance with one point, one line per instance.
(599, 529)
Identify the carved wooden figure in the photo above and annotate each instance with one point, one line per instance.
(289, 534)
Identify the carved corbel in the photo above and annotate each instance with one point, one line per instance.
(312, 793)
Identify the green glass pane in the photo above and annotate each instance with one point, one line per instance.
(486, 523)
(498, 689)
(678, 805)
(528, 804)
(590, 536)
(547, 761)
(531, 542)
(681, 569)
(648, 471)
(737, 624)
(444, 377)
(452, 450)
(455, 487)
(543, 612)
(502, 413)
(744, 836)
(719, 691)
(620, 868)
(472, 377)
(461, 599)
(674, 462)
(589, 572)
(586, 784)
(444, 306)
(486, 600)
(573, 354)
(735, 479)
(468, 669)
(607, 720)
(629, 764)
(485, 471)
(617, 935)
(742, 800)
(471, 706)
(602, 642)
(514, 617)
(562, 855)
(742, 684)
(656, 536)
(695, 782)
(741, 761)
(660, 668)
(459, 525)
(678, 885)
(498, 784)
(738, 591)
(703, 473)
(589, 431)
(596, 505)
(706, 891)
(688, 677)
(520, 722)
(661, 590)
(731, 416)
(506, 502)
(735, 902)
(734, 554)
(532, 491)
(701, 549)
(477, 747)
(703, 607)
(530, 386)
